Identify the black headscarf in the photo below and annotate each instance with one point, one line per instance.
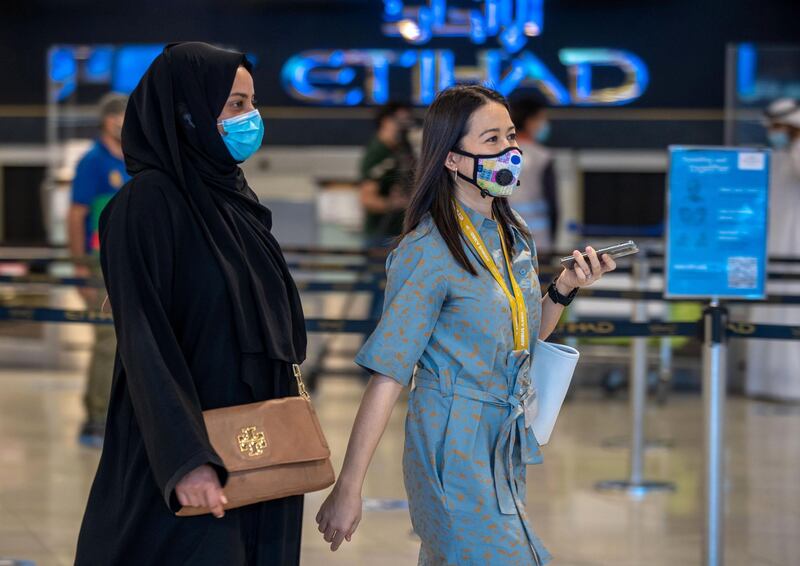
(171, 126)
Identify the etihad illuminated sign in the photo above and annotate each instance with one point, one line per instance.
(350, 77)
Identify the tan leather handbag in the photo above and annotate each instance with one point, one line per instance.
(271, 449)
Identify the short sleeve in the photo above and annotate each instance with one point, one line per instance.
(85, 184)
(376, 163)
(416, 288)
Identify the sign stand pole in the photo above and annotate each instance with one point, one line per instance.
(635, 484)
(714, 382)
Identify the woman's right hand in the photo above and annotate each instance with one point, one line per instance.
(339, 516)
(201, 488)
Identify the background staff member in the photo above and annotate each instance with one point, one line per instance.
(386, 174)
(100, 174)
(536, 199)
(772, 364)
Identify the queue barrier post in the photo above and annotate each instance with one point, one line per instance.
(635, 484)
(715, 322)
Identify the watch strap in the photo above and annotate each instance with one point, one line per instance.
(558, 298)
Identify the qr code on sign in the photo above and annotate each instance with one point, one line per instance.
(743, 272)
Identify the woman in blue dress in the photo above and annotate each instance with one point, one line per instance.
(463, 309)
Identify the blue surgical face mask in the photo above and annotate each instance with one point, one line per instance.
(544, 133)
(778, 139)
(243, 134)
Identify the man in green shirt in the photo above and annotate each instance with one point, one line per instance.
(387, 174)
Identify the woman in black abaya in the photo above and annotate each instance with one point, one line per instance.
(206, 315)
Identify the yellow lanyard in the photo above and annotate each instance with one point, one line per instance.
(519, 313)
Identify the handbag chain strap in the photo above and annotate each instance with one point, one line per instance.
(301, 387)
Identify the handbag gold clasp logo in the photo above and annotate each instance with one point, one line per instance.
(251, 442)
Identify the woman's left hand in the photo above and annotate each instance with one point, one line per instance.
(585, 273)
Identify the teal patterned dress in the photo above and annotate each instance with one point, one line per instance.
(466, 446)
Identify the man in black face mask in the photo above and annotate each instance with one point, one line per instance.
(387, 173)
(100, 174)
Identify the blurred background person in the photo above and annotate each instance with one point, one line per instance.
(536, 199)
(99, 175)
(386, 174)
(772, 364)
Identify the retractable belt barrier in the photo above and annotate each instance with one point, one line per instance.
(376, 268)
(94, 282)
(602, 328)
(378, 253)
(545, 271)
(380, 284)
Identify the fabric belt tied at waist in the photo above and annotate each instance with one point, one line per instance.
(513, 428)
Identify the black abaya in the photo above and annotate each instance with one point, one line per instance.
(180, 313)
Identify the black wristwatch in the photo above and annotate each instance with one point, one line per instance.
(558, 298)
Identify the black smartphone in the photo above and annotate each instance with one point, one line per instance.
(620, 250)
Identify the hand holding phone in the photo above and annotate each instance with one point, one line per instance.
(582, 270)
(619, 250)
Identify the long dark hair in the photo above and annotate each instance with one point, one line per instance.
(446, 123)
